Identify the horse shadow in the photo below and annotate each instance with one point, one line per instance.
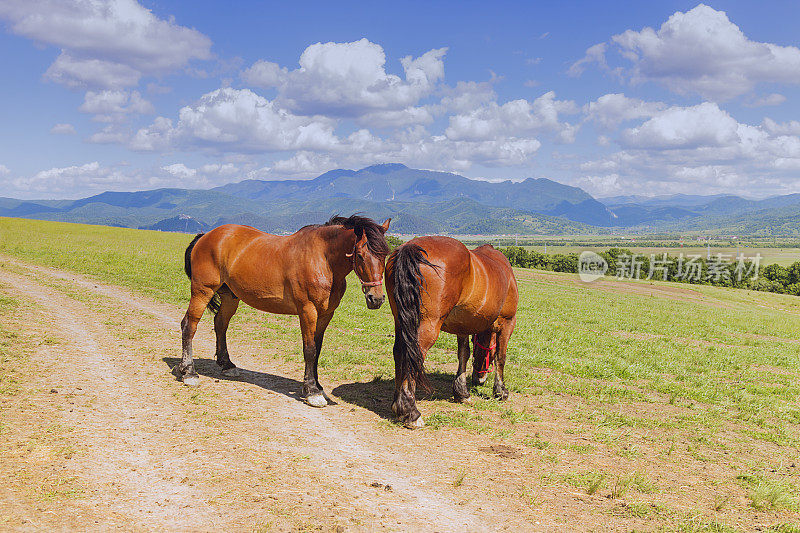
(377, 395)
(272, 382)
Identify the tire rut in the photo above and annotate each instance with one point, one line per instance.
(348, 453)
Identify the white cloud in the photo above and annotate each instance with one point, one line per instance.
(594, 54)
(237, 120)
(349, 80)
(700, 51)
(785, 128)
(610, 110)
(179, 170)
(684, 127)
(700, 149)
(114, 105)
(105, 43)
(601, 186)
(4, 170)
(768, 100)
(63, 129)
(515, 118)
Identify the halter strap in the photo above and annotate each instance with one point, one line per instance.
(364, 284)
(489, 363)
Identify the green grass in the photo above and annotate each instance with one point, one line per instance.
(707, 375)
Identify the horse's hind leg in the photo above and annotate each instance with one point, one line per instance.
(197, 304)
(227, 308)
(460, 390)
(500, 390)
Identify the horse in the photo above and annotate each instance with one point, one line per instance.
(300, 274)
(436, 284)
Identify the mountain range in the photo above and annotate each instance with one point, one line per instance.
(419, 201)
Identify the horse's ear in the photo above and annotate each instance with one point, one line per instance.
(385, 225)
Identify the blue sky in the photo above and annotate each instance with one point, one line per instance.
(615, 97)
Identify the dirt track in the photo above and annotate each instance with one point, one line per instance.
(97, 434)
(233, 454)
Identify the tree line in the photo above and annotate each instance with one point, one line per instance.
(720, 270)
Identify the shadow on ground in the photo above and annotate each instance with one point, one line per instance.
(280, 384)
(377, 395)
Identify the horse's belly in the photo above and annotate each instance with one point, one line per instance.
(463, 321)
(273, 305)
(282, 303)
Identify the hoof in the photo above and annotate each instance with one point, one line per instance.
(467, 400)
(317, 400)
(418, 423)
(501, 395)
(232, 372)
(476, 380)
(191, 380)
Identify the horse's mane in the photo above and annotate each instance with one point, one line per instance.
(376, 240)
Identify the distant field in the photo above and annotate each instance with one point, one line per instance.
(781, 256)
(655, 406)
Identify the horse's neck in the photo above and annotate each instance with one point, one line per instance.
(339, 243)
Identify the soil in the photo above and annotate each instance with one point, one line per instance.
(102, 436)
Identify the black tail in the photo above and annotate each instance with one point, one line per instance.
(187, 256)
(214, 304)
(407, 288)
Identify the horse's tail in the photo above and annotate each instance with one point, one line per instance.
(214, 304)
(187, 256)
(408, 284)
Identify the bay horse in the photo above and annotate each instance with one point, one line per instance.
(436, 284)
(300, 274)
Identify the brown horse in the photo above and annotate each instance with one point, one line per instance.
(300, 274)
(435, 284)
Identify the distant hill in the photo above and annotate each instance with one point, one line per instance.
(420, 201)
(398, 183)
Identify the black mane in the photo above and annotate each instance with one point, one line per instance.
(376, 240)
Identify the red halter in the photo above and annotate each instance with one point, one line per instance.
(487, 367)
(364, 284)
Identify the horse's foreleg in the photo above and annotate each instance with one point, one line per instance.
(322, 324)
(460, 390)
(312, 392)
(228, 305)
(197, 305)
(500, 390)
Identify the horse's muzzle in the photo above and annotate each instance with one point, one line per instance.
(374, 302)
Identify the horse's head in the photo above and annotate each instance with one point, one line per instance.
(484, 346)
(369, 261)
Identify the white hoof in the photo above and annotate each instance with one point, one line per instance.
(191, 381)
(418, 423)
(316, 400)
(231, 372)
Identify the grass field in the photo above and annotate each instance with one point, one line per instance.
(683, 402)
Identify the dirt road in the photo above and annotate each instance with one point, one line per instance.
(147, 453)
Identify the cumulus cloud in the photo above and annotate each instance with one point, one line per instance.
(94, 177)
(700, 149)
(348, 80)
(240, 120)
(610, 110)
(684, 127)
(767, 100)
(114, 105)
(700, 51)
(782, 128)
(518, 117)
(63, 129)
(105, 43)
(4, 170)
